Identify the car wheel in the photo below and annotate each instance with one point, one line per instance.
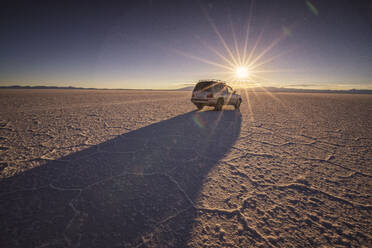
(237, 105)
(199, 106)
(219, 104)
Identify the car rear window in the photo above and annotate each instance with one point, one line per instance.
(203, 85)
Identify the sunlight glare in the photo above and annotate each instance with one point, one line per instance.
(242, 72)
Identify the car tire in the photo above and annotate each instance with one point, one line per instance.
(237, 105)
(199, 106)
(219, 104)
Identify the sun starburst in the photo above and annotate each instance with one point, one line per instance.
(240, 65)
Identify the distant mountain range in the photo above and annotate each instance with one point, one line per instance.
(190, 88)
(60, 88)
(275, 89)
(44, 87)
(187, 88)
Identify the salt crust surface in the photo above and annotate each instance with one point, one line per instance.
(102, 168)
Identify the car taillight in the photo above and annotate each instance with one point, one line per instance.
(210, 95)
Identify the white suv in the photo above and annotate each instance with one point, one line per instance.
(214, 93)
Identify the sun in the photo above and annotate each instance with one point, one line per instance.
(242, 72)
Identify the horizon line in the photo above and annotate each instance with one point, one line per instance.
(189, 88)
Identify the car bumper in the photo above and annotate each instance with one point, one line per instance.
(210, 101)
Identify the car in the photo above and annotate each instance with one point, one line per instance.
(214, 93)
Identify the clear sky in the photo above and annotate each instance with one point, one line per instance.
(169, 44)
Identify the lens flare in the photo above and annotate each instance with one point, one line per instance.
(198, 121)
(312, 8)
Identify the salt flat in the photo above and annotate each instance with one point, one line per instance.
(106, 168)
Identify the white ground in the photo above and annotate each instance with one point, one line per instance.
(144, 169)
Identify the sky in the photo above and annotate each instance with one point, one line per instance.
(171, 44)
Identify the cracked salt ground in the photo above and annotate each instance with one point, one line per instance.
(99, 169)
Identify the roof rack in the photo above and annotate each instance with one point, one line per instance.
(213, 80)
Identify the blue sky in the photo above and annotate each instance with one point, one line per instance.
(167, 44)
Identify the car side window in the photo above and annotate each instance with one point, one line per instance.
(228, 90)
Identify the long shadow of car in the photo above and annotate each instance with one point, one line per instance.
(136, 189)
